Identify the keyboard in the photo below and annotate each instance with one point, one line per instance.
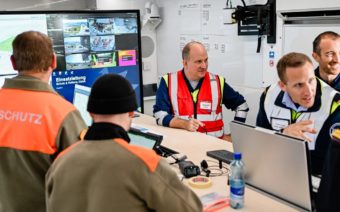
(221, 155)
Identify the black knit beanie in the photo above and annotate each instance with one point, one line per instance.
(111, 94)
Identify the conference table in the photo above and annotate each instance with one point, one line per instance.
(195, 145)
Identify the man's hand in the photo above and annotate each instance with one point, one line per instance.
(298, 129)
(191, 125)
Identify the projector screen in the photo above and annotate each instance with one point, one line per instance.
(88, 44)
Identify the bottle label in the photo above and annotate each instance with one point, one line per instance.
(237, 187)
(237, 191)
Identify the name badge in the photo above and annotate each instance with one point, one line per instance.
(205, 105)
(278, 124)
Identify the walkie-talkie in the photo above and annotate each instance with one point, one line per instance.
(189, 169)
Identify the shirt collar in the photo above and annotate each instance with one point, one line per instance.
(334, 84)
(189, 84)
(288, 102)
(27, 83)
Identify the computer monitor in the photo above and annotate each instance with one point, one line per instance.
(80, 99)
(276, 164)
(88, 44)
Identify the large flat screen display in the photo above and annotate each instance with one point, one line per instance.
(88, 44)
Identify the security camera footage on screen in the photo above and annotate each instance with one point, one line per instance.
(88, 44)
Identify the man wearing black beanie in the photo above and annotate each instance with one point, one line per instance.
(105, 173)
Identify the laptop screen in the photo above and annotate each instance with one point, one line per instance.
(144, 139)
(275, 163)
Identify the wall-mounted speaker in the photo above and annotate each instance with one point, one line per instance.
(148, 46)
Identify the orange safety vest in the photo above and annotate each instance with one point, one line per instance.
(30, 120)
(206, 109)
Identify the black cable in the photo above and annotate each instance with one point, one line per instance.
(259, 39)
(214, 170)
(177, 160)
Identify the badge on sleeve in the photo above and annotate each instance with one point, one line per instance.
(205, 105)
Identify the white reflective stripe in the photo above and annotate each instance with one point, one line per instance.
(217, 134)
(241, 114)
(243, 107)
(174, 89)
(160, 116)
(184, 117)
(271, 96)
(209, 117)
(214, 92)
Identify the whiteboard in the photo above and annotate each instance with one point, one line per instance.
(299, 38)
(231, 56)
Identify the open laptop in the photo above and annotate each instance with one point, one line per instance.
(276, 164)
(144, 139)
(150, 141)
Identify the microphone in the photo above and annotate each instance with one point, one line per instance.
(204, 167)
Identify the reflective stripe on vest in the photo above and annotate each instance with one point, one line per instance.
(31, 120)
(275, 112)
(208, 104)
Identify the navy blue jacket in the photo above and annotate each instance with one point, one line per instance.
(336, 82)
(231, 99)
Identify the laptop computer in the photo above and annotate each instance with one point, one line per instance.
(276, 164)
(144, 139)
(150, 141)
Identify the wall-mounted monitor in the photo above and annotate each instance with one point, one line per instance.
(88, 44)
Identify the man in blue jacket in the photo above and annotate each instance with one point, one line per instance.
(192, 98)
(326, 51)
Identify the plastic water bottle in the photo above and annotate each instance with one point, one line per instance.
(236, 181)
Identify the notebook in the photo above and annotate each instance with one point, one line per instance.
(276, 164)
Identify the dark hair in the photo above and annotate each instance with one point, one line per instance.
(32, 50)
(187, 47)
(328, 34)
(293, 60)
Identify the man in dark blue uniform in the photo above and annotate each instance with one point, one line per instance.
(193, 90)
(301, 105)
(326, 51)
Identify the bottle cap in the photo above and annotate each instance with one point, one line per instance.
(237, 156)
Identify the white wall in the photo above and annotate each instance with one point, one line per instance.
(120, 4)
(307, 5)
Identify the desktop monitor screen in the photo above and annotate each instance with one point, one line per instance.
(88, 44)
(80, 99)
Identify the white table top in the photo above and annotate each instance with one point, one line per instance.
(195, 145)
